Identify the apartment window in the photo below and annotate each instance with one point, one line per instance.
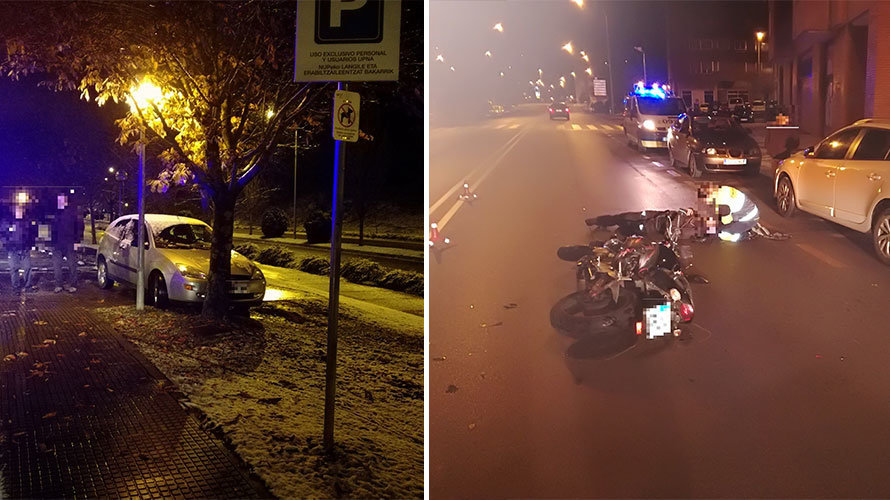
(709, 96)
(707, 44)
(741, 45)
(694, 44)
(687, 98)
(715, 66)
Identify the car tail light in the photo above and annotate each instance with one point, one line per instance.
(686, 312)
(639, 327)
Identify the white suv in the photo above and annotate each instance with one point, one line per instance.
(842, 179)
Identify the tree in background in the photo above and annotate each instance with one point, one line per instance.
(216, 96)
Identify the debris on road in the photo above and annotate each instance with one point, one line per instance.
(511, 305)
(451, 389)
(439, 358)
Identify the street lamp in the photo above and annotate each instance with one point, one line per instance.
(141, 97)
(641, 51)
(568, 48)
(589, 71)
(759, 35)
(498, 27)
(440, 58)
(585, 57)
(579, 3)
(488, 53)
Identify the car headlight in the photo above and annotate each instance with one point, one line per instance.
(191, 272)
(649, 125)
(711, 151)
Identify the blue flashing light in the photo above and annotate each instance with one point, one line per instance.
(655, 90)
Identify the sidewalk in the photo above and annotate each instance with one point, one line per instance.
(83, 414)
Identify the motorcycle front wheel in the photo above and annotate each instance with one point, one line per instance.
(578, 315)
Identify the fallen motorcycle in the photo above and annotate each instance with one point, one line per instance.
(633, 282)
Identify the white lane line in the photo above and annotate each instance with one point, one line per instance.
(824, 257)
(671, 172)
(658, 163)
(502, 125)
(465, 178)
(514, 126)
(591, 127)
(575, 126)
(453, 210)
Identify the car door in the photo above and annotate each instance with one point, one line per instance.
(119, 261)
(679, 139)
(818, 171)
(861, 177)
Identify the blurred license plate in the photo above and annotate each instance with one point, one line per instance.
(658, 320)
(735, 161)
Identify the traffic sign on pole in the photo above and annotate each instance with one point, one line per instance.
(346, 112)
(348, 41)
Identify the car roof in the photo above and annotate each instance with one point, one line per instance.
(873, 122)
(163, 220)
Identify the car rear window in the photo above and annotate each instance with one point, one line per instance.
(874, 145)
(655, 106)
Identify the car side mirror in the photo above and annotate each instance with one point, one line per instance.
(809, 152)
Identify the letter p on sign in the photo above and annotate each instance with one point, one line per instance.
(338, 6)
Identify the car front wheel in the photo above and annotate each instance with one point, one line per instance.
(692, 166)
(785, 202)
(881, 236)
(157, 289)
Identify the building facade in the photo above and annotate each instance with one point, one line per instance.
(831, 59)
(713, 49)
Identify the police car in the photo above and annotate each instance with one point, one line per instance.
(648, 114)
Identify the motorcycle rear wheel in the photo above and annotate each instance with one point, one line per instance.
(578, 315)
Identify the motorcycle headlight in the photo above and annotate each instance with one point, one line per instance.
(649, 125)
(191, 272)
(711, 151)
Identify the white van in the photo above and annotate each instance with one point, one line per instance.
(648, 116)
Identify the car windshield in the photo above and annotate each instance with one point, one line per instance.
(655, 106)
(714, 123)
(187, 236)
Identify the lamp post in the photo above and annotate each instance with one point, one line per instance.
(121, 177)
(143, 95)
(641, 51)
(759, 35)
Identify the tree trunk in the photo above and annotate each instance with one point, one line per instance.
(216, 305)
(92, 223)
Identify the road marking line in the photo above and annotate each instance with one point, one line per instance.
(466, 178)
(824, 257)
(657, 163)
(591, 127)
(453, 210)
(514, 126)
(575, 126)
(671, 171)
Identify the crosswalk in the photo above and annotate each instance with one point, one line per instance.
(568, 127)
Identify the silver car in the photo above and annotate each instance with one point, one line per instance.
(843, 179)
(177, 259)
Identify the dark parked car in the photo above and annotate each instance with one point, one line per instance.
(744, 114)
(559, 109)
(714, 144)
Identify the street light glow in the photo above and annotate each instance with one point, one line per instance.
(111, 170)
(488, 53)
(573, 74)
(270, 113)
(586, 58)
(440, 58)
(760, 36)
(146, 93)
(589, 71)
(568, 48)
(579, 3)
(498, 27)
(452, 68)
(502, 74)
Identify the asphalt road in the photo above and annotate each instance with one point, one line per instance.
(782, 391)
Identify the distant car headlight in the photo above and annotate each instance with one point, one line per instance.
(191, 272)
(649, 125)
(711, 151)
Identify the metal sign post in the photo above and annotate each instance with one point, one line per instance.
(140, 229)
(343, 41)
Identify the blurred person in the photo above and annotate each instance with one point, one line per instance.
(21, 237)
(730, 214)
(67, 233)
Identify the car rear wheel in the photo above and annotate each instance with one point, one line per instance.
(692, 167)
(785, 202)
(157, 290)
(102, 278)
(673, 160)
(881, 236)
